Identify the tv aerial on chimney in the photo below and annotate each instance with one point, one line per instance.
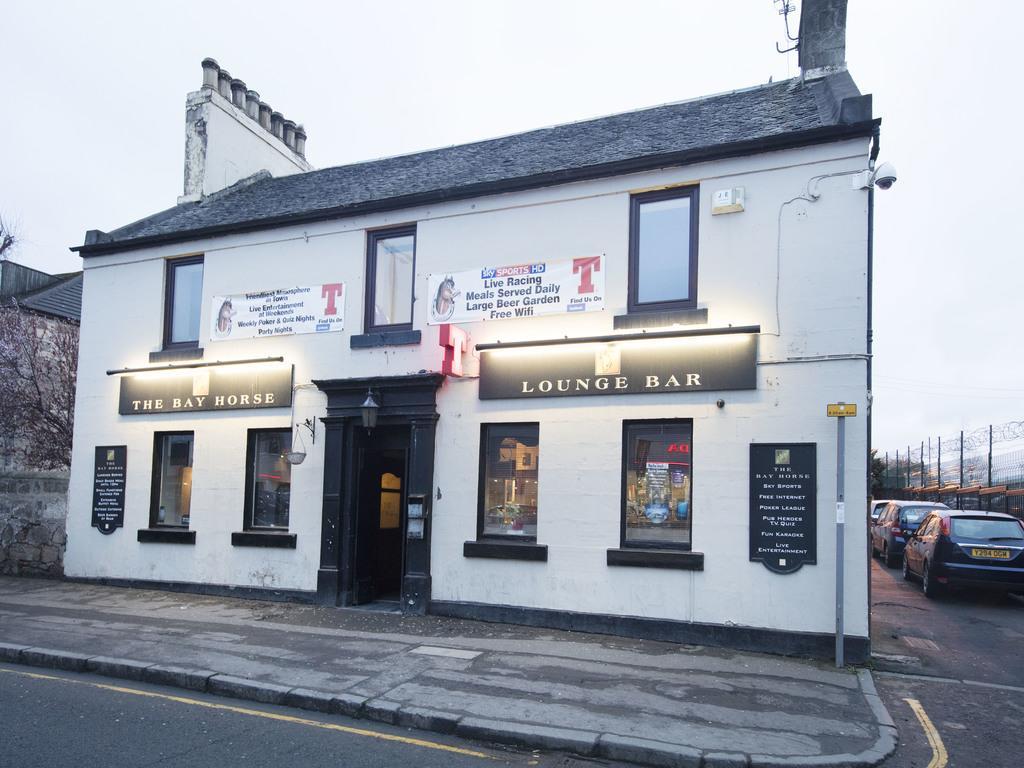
(786, 8)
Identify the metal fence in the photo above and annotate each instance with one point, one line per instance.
(966, 471)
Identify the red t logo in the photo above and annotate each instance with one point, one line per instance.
(455, 341)
(331, 291)
(585, 268)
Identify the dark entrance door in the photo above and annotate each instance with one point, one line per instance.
(380, 519)
(360, 558)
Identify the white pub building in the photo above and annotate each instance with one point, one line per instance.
(575, 377)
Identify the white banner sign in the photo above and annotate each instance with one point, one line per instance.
(313, 309)
(521, 290)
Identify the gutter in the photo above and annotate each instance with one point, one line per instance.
(823, 135)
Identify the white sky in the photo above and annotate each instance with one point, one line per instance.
(92, 131)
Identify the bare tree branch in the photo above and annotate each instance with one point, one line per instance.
(38, 368)
(8, 238)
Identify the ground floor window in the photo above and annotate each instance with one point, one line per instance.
(268, 479)
(172, 479)
(509, 454)
(657, 478)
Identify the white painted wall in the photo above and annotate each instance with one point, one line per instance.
(822, 292)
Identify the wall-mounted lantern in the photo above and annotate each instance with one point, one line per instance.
(370, 407)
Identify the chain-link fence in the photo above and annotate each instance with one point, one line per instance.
(965, 471)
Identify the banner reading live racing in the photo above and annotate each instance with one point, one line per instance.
(520, 290)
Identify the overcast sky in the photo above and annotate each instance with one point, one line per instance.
(92, 131)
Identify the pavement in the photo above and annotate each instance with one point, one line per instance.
(596, 696)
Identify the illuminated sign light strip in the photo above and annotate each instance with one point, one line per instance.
(623, 337)
(182, 366)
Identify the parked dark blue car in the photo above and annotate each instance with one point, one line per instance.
(894, 525)
(966, 549)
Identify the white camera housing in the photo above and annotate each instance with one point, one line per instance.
(884, 176)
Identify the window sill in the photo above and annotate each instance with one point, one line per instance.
(271, 539)
(166, 536)
(661, 318)
(513, 550)
(657, 558)
(384, 339)
(175, 354)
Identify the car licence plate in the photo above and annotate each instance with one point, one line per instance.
(998, 554)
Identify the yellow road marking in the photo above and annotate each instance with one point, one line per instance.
(939, 756)
(267, 715)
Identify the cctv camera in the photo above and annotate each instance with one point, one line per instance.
(885, 176)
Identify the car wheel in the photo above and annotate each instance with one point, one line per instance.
(874, 549)
(906, 568)
(928, 584)
(891, 560)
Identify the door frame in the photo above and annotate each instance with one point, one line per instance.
(405, 401)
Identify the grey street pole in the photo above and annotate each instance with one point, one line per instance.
(840, 526)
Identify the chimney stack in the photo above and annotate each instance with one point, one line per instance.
(231, 135)
(822, 48)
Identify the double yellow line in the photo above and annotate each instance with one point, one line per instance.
(408, 740)
(939, 756)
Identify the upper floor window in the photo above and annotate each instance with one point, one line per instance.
(390, 270)
(183, 302)
(663, 250)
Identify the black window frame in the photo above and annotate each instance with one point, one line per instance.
(250, 469)
(635, 201)
(154, 493)
(169, 270)
(481, 484)
(652, 545)
(370, 293)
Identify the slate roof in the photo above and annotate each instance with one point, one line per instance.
(787, 113)
(62, 299)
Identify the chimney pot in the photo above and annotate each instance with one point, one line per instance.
(289, 133)
(265, 112)
(252, 104)
(300, 141)
(224, 84)
(211, 72)
(277, 124)
(238, 90)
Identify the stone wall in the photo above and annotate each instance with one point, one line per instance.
(33, 509)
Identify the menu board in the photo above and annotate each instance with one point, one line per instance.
(783, 505)
(108, 487)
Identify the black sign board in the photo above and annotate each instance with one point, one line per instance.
(783, 505)
(108, 487)
(632, 367)
(207, 389)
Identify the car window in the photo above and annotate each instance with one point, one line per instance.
(911, 516)
(987, 528)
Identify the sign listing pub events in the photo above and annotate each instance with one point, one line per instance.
(108, 487)
(783, 505)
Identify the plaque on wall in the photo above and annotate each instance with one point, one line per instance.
(108, 487)
(783, 505)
